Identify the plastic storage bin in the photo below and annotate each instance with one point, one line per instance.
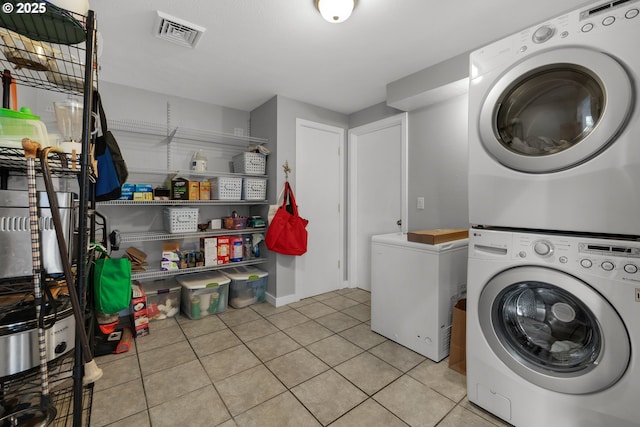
(226, 188)
(204, 294)
(181, 220)
(248, 285)
(254, 189)
(250, 163)
(163, 298)
(15, 125)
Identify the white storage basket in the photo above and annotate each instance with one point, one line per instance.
(250, 163)
(226, 188)
(254, 189)
(181, 219)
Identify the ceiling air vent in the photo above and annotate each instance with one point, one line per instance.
(177, 30)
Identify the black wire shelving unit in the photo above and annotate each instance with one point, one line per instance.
(53, 49)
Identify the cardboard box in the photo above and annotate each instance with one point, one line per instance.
(170, 256)
(441, 235)
(142, 196)
(143, 188)
(458, 346)
(161, 193)
(209, 246)
(224, 250)
(205, 190)
(139, 308)
(128, 187)
(180, 189)
(194, 190)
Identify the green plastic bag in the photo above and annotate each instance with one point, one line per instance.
(112, 284)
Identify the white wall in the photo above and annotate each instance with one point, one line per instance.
(438, 165)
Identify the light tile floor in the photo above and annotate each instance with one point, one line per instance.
(315, 362)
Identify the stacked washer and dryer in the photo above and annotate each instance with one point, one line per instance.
(553, 291)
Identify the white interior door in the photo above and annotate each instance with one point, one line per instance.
(378, 183)
(319, 193)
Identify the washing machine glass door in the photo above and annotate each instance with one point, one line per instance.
(555, 110)
(554, 330)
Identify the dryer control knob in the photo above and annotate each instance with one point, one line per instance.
(543, 248)
(543, 34)
(586, 263)
(631, 268)
(607, 266)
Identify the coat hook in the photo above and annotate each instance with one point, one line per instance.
(287, 169)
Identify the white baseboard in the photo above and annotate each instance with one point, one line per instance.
(280, 301)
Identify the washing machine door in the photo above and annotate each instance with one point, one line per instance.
(555, 109)
(554, 330)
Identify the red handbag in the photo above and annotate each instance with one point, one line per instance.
(287, 233)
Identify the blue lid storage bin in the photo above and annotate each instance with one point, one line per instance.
(248, 285)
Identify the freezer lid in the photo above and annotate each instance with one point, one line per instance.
(400, 240)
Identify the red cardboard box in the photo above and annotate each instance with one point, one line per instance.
(224, 250)
(139, 310)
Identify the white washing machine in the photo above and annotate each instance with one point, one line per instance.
(414, 287)
(553, 328)
(555, 122)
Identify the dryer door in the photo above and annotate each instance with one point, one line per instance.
(554, 330)
(555, 109)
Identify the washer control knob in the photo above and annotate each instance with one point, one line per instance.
(586, 263)
(608, 21)
(563, 259)
(631, 268)
(543, 33)
(522, 254)
(542, 248)
(607, 266)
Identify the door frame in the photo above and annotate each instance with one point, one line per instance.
(352, 154)
(340, 132)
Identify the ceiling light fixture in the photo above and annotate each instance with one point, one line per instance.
(335, 11)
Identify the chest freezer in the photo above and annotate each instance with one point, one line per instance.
(414, 287)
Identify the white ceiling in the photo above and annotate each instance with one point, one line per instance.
(255, 49)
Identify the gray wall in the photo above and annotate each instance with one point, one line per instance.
(438, 165)
(437, 148)
(286, 112)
